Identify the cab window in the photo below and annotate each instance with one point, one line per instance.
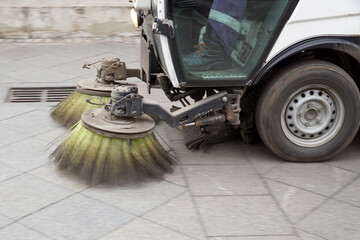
(217, 42)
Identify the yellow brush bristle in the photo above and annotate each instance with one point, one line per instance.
(103, 159)
(68, 112)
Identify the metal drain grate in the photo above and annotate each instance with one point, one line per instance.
(39, 94)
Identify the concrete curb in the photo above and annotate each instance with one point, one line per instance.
(39, 19)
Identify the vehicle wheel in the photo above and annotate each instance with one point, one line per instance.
(309, 111)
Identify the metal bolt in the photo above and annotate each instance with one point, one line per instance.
(318, 121)
(307, 124)
(134, 113)
(224, 99)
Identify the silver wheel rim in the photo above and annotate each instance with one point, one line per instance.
(312, 116)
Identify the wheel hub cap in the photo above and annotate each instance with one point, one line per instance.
(312, 116)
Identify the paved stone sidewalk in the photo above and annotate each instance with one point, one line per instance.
(231, 191)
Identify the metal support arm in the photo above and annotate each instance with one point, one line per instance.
(126, 102)
(187, 114)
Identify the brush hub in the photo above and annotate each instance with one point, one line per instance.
(101, 122)
(118, 120)
(121, 91)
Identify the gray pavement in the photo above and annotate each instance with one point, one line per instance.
(231, 191)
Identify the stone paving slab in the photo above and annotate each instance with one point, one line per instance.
(7, 46)
(7, 172)
(144, 230)
(334, 221)
(136, 199)
(11, 136)
(296, 203)
(25, 155)
(81, 51)
(176, 177)
(46, 76)
(53, 48)
(4, 221)
(350, 193)
(50, 173)
(180, 215)
(16, 70)
(47, 60)
(308, 236)
(52, 135)
(73, 81)
(257, 238)
(242, 215)
(26, 194)
(211, 180)
(30, 124)
(260, 157)
(11, 110)
(315, 177)
(17, 231)
(349, 159)
(80, 218)
(73, 68)
(5, 60)
(20, 52)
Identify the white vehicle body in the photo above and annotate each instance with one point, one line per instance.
(314, 18)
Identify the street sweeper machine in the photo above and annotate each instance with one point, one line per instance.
(286, 71)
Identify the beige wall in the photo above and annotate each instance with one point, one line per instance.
(65, 18)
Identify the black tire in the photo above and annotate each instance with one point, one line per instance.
(292, 106)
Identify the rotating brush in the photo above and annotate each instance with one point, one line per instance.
(68, 112)
(106, 147)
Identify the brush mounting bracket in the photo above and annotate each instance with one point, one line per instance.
(112, 70)
(126, 102)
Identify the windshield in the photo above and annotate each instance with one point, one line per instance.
(223, 39)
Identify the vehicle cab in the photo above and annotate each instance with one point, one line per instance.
(298, 62)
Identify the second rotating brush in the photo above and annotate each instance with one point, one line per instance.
(112, 71)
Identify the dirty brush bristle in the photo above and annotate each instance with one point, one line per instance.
(68, 112)
(99, 158)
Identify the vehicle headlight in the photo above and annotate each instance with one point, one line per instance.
(136, 18)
